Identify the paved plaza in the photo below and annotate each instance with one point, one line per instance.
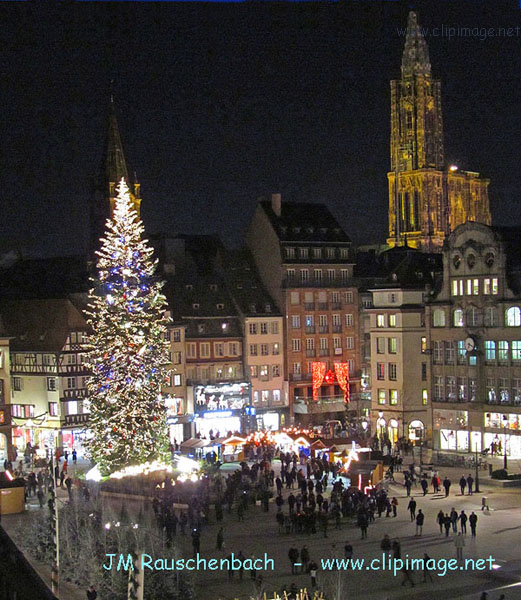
(498, 535)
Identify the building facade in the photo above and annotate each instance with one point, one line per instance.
(427, 200)
(474, 335)
(305, 260)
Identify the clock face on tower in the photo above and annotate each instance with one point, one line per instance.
(470, 344)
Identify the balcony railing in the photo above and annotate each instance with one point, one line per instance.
(310, 329)
(324, 352)
(309, 305)
(310, 353)
(81, 419)
(337, 328)
(336, 305)
(323, 306)
(323, 329)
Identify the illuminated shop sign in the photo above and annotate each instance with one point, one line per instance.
(221, 397)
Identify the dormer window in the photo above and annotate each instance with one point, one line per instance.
(220, 306)
(253, 308)
(195, 306)
(296, 229)
(268, 307)
(489, 259)
(290, 252)
(201, 328)
(303, 252)
(213, 287)
(189, 287)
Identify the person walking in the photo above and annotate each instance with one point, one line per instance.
(412, 508)
(408, 485)
(293, 555)
(394, 504)
(459, 543)
(473, 521)
(348, 551)
(463, 522)
(304, 558)
(420, 517)
(68, 485)
(92, 594)
(426, 568)
(462, 484)
(424, 485)
(435, 484)
(447, 523)
(440, 519)
(454, 520)
(74, 456)
(363, 523)
(313, 568)
(446, 485)
(470, 483)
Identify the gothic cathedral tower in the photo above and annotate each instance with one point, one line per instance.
(114, 167)
(426, 200)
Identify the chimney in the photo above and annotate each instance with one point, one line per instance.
(276, 201)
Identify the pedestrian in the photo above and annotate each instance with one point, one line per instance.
(446, 485)
(463, 522)
(440, 520)
(363, 523)
(304, 558)
(483, 596)
(412, 508)
(40, 496)
(394, 504)
(470, 483)
(484, 503)
(62, 477)
(435, 484)
(420, 517)
(313, 572)
(473, 521)
(74, 456)
(348, 551)
(425, 486)
(385, 544)
(397, 550)
(220, 539)
(408, 485)
(92, 594)
(426, 568)
(68, 485)
(293, 555)
(454, 520)
(447, 524)
(459, 543)
(462, 484)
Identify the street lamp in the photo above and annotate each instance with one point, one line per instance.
(505, 426)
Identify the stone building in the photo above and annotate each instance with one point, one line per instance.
(474, 334)
(427, 198)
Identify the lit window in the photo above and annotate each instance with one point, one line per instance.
(51, 384)
(177, 380)
(253, 371)
(381, 396)
(425, 397)
(513, 316)
(276, 395)
(380, 371)
(516, 350)
(53, 409)
(475, 287)
(295, 345)
(490, 350)
(265, 394)
(503, 351)
(423, 344)
(393, 397)
(275, 370)
(392, 320)
(392, 345)
(380, 320)
(458, 318)
(495, 289)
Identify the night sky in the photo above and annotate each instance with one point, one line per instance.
(220, 104)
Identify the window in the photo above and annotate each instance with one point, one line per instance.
(438, 352)
(380, 345)
(473, 386)
(71, 359)
(53, 409)
(336, 321)
(392, 345)
(275, 349)
(491, 390)
(322, 320)
(380, 371)
(177, 335)
(335, 297)
(265, 395)
(495, 289)
(295, 345)
(264, 328)
(71, 382)
(516, 350)
(324, 343)
(381, 396)
(17, 410)
(393, 397)
(168, 336)
(232, 349)
(462, 389)
(253, 328)
(423, 345)
(351, 365)
(438, 388)
(264, 349)
(451, 388)
(469, 287)
(218, 349)
(310, 343)
(276, 395)
(290, 252)
(475, 287)
(454, 287)
(295, 321)
(317, 275)
(458, 318)
(392, 371)
(462, 352)
(337, 342)
(274, 328)
(275, 370)
(264, 371)
(349, 297)
(204, 349)
(296, 368)
(255, 396)
(350, 343)
(380, 320)
(330, 252)
(425, 397)
(450, 353)
(344, 252)
(201, 328)
(290, 274)
(253, 371)
(303, 252)
(473, 317)
(513, 316)
(516, 391)
(191, 350)
(424, 371)
(491, 316)
(490, 350)
(304, 275)
(331, 277)
(349, 320)
(344, 275)
(295, 298)
(503, 351)
(177, 380)
(490, 286)
(317, 252)
(392, 320)
(253, 349)
(51, 384)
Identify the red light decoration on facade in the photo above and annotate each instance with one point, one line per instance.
(342, 375)
(318, 371)
(330, 377)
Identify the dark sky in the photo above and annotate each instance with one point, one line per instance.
(219, 104)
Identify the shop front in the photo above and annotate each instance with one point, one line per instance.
(392, 430)
(503, 434)
(416, 431)
(451, 430)
(219, 408)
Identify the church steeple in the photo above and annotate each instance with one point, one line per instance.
(415, 60)
(115, 165)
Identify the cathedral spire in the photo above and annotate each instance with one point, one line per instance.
(415, 59)
(115, 165)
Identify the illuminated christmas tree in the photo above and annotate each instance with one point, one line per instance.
(128, 350)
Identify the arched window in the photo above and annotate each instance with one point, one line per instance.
(513, 316)
(438, 318)
(491, 317)
(473, 316)
(458, 318)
